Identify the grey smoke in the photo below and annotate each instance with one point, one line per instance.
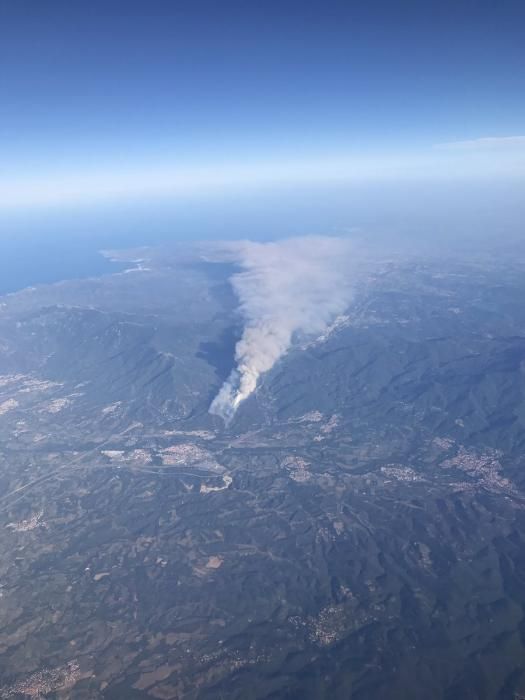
(285, 287)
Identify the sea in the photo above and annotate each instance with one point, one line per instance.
(46, 247)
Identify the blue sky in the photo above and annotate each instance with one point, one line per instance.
(113, 100)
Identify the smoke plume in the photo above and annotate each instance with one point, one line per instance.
(287, 287)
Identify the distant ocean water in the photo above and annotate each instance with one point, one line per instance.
(41, 249)
(45, 249)
(33, 261)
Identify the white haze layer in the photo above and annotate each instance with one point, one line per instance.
(298, 285)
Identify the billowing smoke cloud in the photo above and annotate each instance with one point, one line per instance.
(293, 286)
